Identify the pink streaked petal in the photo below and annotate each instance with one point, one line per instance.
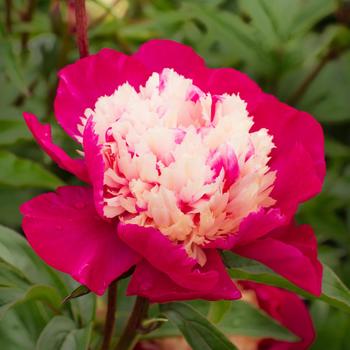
(167, 257)
(83, 82)
(226, 159)
(290, 311)
(65, 231)
(159, 54)
(254, 226)
(155, 285)
(290, 251)
(42, 134)
(95, 164)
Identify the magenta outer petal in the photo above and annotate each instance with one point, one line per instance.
(290, 126)
(65, 231)
(167, 257)
(297, 180)
(42, 134)
(159, 54)
(257, 225)
(155, 285)
(227, 80)
(290, 311)
(81, 83)
(254, 226)
(290, 251)
(95, 164)
(299, 154)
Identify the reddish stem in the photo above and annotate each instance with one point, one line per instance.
(110, 316)
(131, 332)
(81, 28)
(8, 15)
(27, 16)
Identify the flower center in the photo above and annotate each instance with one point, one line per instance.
(181, 160)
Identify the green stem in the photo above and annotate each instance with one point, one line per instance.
(131, 331)
(110, 316)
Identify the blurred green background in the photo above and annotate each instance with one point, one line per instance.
(298, 50)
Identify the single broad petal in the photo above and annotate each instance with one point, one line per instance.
(290, 311)
(83, 82)
(230, 81)
(66, 232)
(167, 257)
(254, 226)
(296, 180)
(299, 150)
(149, 282)
(42, 134)
(288, 127)
(95, 164)
(290, 251)
(159, 54)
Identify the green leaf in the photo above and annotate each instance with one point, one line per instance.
(83, 303)
(330, 105)
(86, 308)
(246, 320)
(334, 291)
(16, 252)
(228, 27)
(217, 310)
(11, 64)
(336, 149)
(237, 318)
(12, 130)
(332, 327)
(24, 270)
(10, 201)
(61, 333)
(21, 326)
(270, 20)
(11, 296)
(198, 331)
(20, 172)
(24, 276)
(76, 293)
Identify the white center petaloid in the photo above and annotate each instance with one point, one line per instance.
(181, 160)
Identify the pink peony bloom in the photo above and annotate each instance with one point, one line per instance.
(180, 161)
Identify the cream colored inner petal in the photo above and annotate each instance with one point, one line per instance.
(169, 160)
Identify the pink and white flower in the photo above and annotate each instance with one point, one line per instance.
(181, 160)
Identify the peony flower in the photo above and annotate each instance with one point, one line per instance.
(285, 307)
(181, 161)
